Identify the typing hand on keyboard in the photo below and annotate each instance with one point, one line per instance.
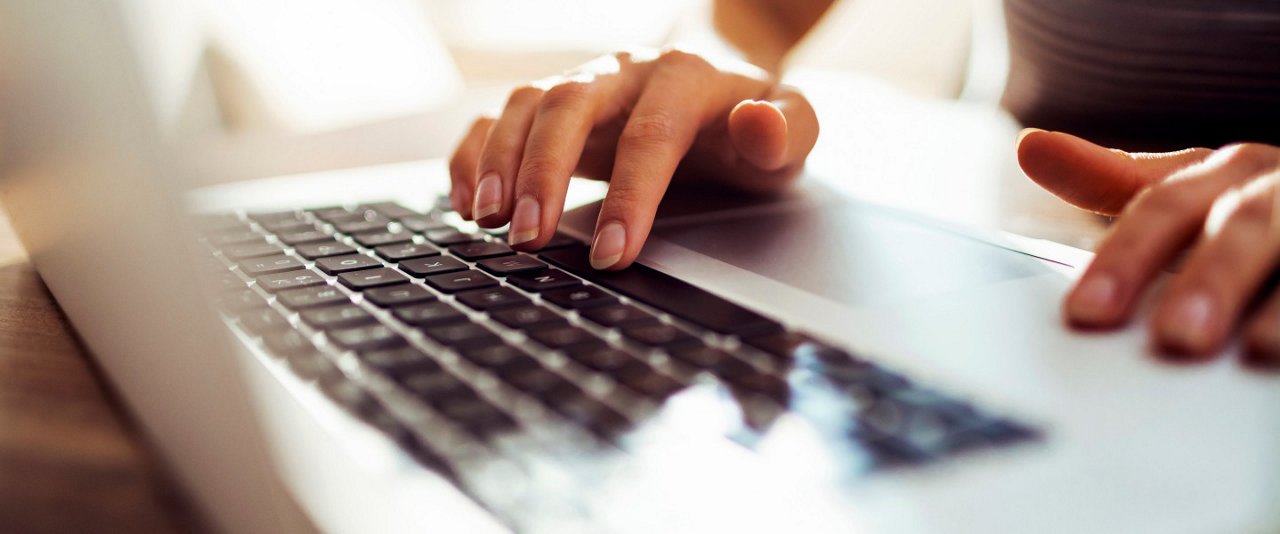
(636, 119)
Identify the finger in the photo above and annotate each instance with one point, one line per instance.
(1153, 229)
(658, 134)
(1221, 276)
(500, 156)
(462, 166)
(564, 119)
(1091, 177)
(774, 133)
(1262, 336)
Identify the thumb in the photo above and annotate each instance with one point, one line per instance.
(775, 133)
(1093, 177)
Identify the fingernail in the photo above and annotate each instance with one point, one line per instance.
(1095, 300)
(1024, 133)
(608, 246)
(524, 221)
(1188, 325)
(488, 196)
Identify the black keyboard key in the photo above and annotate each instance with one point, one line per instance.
(481, 250)
(543, 280)
(377, 239)
(360, 280)
(398, 295)
(236, 237)
(650, 383)
(364, 338)
(292, 226)
(312, 365)
(340, 316)
(460, 281)
(270, 265)
(447, 237)
(406, 251)
(783, 345)
(343, 264)
(764, 384)
(240, 300)
(332, 213)
(451, 335)
(732, 368)
(391, 210)
(261, 321)
(254, 250)
(560, 337)
(346, 393)
(290, 280)
(268, 217)
(658, 335)
(619, 314)
(476, 415)
(560, 241)
(604, 358)
(288, 343)
(430, 314)
(588, 412)
(504, 359)
(666, 293)
(701, 356)
(379, 224)
(304, 237)
(493, 298)
(429, 266)
(314, 251)
(311, 297)
(436, 387)
(399, 361)
(511, 265)
(422, 223)
(893, 452)
(578, 298)
(866, 378)
(541, 383)
(524, 317)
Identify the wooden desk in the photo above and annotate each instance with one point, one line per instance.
(70, 461)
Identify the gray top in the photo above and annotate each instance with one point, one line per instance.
(1147, 74)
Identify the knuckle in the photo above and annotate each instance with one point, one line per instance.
(535, 168)
(1254, 209)
(624, 196)
(1170, 198)
(524, 94)
(649, 129)
(679, 59)
(1252, 155)
(566, 95)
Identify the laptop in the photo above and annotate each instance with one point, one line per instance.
(339, 352)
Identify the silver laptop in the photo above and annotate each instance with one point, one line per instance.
(341, 346)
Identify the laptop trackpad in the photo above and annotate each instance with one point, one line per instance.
(856, 254)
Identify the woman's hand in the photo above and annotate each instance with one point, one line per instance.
(1222, 204)
(636, 119)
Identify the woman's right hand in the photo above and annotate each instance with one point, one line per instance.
(638, 120)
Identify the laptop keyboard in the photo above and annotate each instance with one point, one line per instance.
(378, 304)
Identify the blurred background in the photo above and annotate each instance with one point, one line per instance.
(267, 87)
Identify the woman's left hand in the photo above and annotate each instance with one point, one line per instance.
(1223, 205)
